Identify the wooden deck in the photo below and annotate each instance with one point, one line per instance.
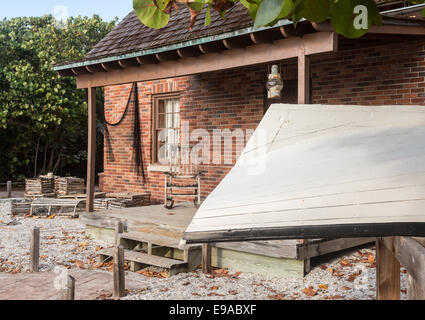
(279, 257)
(152, 219)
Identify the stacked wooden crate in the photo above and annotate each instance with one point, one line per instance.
(69, 186)
(128, 200)
(43, 187)
(20, 208)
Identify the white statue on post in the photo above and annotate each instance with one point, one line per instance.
(274, 84)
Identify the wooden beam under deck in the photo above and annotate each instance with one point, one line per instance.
(310, 44)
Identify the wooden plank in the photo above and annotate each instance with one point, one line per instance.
(91, 153)
(313, 43)
(145, 259)
(277, 249)
(157, 239)
(387, 270)
(35, 250)
(325, 247)
(237, 261)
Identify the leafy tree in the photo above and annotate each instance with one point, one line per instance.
(43, 119)
(344, 14)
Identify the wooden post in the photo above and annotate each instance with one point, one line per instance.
(306, 261)
(35, 250)
(206, 258)
(387, 270)
(70, 289)
(91, 153)
(9, 189)
(119, 228)
(303, 79)
(119, 274)
(411, 254)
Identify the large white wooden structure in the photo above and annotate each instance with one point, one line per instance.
(314, 171)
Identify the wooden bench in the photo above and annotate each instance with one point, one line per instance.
(62, 203)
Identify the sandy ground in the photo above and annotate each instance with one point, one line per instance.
(349, 275)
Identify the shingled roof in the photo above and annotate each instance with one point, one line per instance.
(131, 35)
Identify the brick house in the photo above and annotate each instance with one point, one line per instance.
(214, 77)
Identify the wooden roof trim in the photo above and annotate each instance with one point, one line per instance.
(310, 44)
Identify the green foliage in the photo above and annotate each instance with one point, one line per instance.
(342, 13)
(152, 14)
(43, 118)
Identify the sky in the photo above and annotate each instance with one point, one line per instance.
(108, 9)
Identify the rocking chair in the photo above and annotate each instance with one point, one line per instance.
(183, 180)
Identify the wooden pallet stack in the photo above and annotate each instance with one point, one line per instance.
(43, 187)
(128, 200)
(21, 208)
(69, 186)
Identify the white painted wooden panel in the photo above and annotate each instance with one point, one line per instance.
(310, 165)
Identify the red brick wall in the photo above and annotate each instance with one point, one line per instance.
(381, 75)
(222, 100)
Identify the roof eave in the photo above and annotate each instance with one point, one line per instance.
(172, 47)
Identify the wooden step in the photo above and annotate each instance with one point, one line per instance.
(140, 260)
(156, 240)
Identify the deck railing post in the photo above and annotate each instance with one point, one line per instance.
(119, 229)
(387, 270)
(70, 289)
(206, 258)
(35, 250)
(9, 189)
(119, 273)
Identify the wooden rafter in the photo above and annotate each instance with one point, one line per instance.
(310, 44)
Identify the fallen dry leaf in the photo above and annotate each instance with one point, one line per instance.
(233, 292)
(323, 286)
(345, 288)
(353, 276)
(215, 294)
(371, 258)
(309, 291)
(214, 288)
(345, 263)
(43, 257)
(277, 297)
(152, 274)
(79, 264)
(323, 267)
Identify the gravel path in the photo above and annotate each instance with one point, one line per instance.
(348, 275)
(62, 243)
